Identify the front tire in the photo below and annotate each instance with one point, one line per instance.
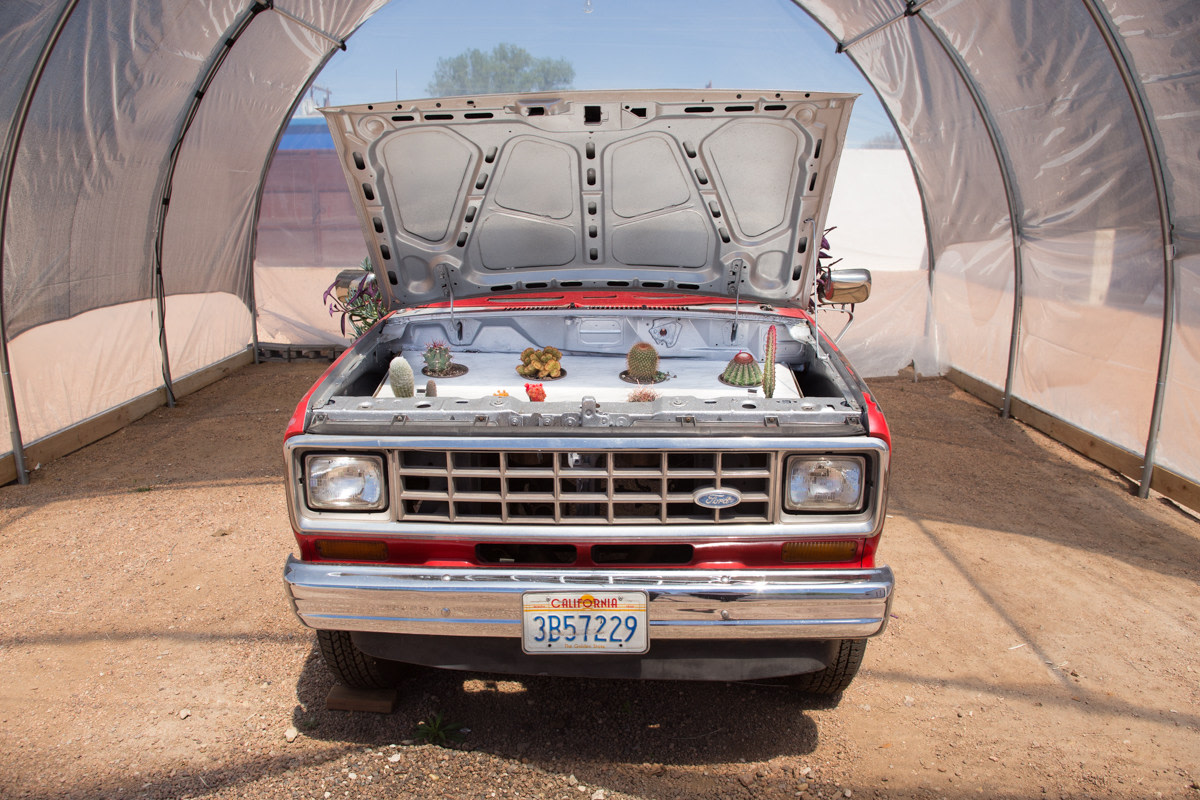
(834, 679)
(350, 665)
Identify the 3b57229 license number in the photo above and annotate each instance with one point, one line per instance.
(584, 622)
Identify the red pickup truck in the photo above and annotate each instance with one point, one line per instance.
(600, 432)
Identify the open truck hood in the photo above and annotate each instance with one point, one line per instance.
(706, 192)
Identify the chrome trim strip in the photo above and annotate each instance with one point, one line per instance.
(685, 604)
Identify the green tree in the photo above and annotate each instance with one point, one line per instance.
(507, 68)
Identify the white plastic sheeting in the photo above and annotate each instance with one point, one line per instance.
(1052, 200)
(1087, 216)
(123, 84)
(1036, 173)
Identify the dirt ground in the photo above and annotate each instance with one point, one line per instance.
(1043, 641)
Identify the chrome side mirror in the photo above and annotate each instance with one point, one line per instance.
(845, 286)
(351, 282)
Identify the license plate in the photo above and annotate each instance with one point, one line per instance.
(584, 622)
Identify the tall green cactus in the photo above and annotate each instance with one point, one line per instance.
(769, 364)
(400, 376)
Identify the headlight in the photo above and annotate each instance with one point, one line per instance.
(825, 483)
(345, 483)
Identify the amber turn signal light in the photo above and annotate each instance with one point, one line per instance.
(352, 550)
(820, 552)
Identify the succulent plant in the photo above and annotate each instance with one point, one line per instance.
(357, 299)
(400, 376)
(742, 370)
(642, 360)
(768, 380)
(536, 392)
(430, 389)
(544, 363)
(437, 357)
(643, 394)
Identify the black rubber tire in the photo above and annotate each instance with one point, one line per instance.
(350, 665)
(834, 679)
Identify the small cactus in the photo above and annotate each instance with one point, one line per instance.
(643, 394)
(430, 389)
(437, 358)
(544, 363)
(400, 376)
(768, 381)
(642, 360)
(536, 392)
(742, 370)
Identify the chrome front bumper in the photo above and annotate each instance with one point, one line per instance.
(683, 604)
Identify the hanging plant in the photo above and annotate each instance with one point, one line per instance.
(825, 265)
(360, 303)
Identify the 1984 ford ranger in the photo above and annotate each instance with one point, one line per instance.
(601, 432)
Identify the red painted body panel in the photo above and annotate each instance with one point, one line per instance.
(717, 555)
(295, 425)
(614, 300)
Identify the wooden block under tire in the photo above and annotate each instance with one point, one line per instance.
(343, 698)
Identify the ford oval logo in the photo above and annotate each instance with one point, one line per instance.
(713, 497)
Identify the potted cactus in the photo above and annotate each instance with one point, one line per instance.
(400, 376)
(439, 362)
(544, 364)
(642, 365)
(742, 370)
(643, 394)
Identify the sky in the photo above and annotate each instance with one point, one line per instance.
(612, 44)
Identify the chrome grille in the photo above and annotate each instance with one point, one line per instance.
(585, 486)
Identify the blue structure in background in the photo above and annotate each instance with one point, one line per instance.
(306, 133)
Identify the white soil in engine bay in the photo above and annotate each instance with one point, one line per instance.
(590, 376)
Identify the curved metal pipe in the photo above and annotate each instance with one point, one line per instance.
(1141, 109)
(913, 9)
(844, 47)
(930, 260)
(227, 43)
(11, 145)
(910, 9)
(1010, 195)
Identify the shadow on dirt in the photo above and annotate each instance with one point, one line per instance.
(1021, 479)
(225, 777)
(226, 433)
(552, 721)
